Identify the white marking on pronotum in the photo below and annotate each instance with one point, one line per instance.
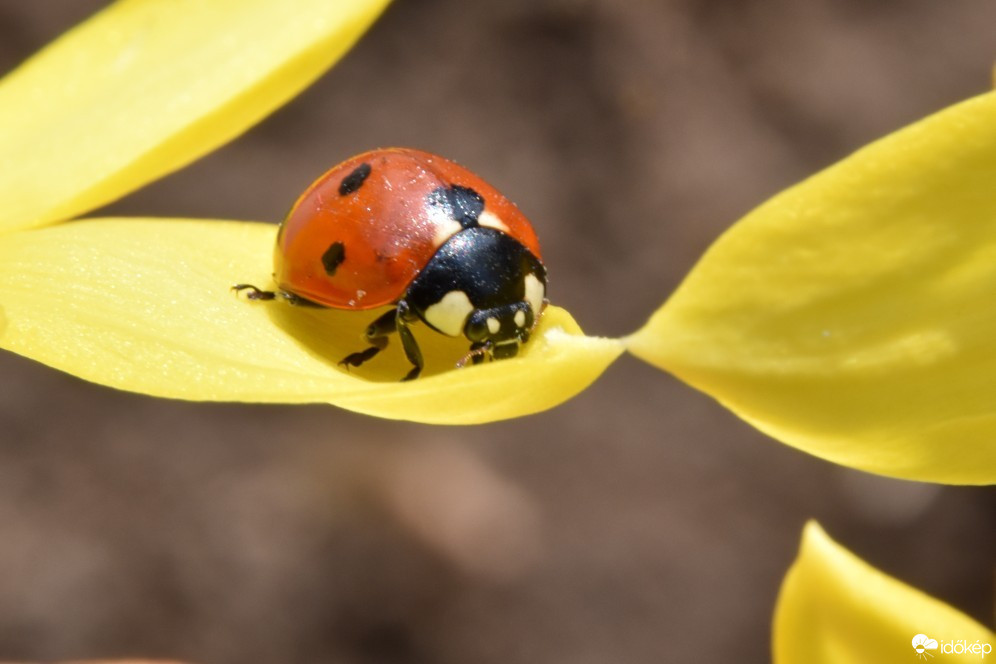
(494, 325)
(491, 220)
(535, 292)
(520, 318)
(445, 229)
(450, 313)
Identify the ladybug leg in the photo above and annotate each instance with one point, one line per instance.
(299, 301)
(408, 342)
(376, 333)
(478, 351)
(255, 293)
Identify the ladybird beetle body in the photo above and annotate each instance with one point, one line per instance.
(406, 228)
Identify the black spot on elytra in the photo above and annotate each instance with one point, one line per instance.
(333, 257)
(461, 203)
(354, 180)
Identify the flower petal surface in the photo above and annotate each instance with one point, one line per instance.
(854, 315)
(834, 608)
(145, 305)
(146, 86)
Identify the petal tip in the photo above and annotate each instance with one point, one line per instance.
(848, 316)
(210, 346)
(814, 533)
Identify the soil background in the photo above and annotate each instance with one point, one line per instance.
(638, 523)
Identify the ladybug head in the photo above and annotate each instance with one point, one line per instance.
(501, 329)
(484, 285)
(497, 332)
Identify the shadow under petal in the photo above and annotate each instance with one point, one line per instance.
(331, 334)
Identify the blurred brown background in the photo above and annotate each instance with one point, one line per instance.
(639, 522)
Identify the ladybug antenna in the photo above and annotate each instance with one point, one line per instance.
(477, 353)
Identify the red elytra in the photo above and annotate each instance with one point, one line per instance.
(386, 228)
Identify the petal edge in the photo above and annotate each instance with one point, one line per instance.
(849, 316)
(146, 86)
(144, 305)
(834, 608)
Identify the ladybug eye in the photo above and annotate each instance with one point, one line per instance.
(477, 326)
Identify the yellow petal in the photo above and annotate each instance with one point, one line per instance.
(834, 608)
(146, 86)
(854, 315)
(146, 306)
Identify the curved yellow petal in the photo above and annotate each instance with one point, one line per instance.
(854, 315)
(146, 86)
(145, 305)
(834, 608)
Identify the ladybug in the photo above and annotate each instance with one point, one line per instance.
(420, 233)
